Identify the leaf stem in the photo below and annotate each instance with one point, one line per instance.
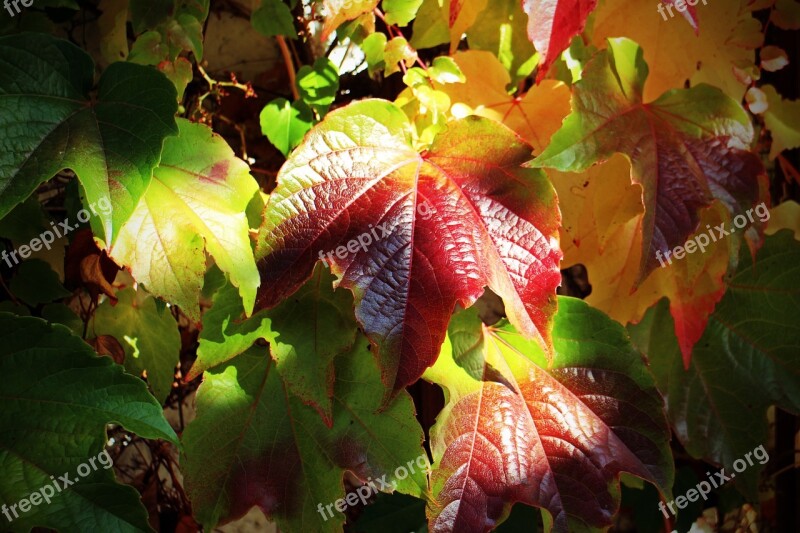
(287, 59)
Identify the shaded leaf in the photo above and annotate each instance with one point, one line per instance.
(54, 375)
(112, 143)
(253, 443)
(745, 361)
(149, 337)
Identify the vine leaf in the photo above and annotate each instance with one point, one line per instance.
(721, 54)
(434, 228)
(305, 333)
(553, 436)
(340, 11)
(57, 398)
(254, 443)
(112, 142)
(552, 24)
(149, 337)
(196, 202)
(686, 148)
(745, 361)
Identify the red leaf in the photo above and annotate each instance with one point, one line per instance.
(441, 227)
(552, 24)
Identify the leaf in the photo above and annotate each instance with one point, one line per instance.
(727, 41)
(552, 24)
(773, 58)
(273, 17)
(462, 15)
(147, 14)
(786, 14)
(553, 436)
(285, 124)
(111, 25)
(606, 238)
(745, 361)
(431, 27)
(435, 228)
(339, 11)
(398, 51)
(502, 30)
(253, 443)
(319, 84)
(534, 116)
(686, 148)
(112, 143)
(149, 337)
(57, 398)
(305, 333)
(688, 11)
(196, 202)
(401, 12)
(35, 283)
(782, 119)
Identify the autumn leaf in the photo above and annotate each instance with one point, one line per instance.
(412, 234)
(723, 48)
(552, 24)
(254, 443)
(195, 204)
(340, 11)
(745, 362)
(534, 116)
(686, 148)
(554, 436)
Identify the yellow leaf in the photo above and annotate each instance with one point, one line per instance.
(534, 116)
(727, 38)
(782, 119)
(339, 11)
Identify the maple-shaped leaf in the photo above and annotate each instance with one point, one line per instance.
(722, 53)
(57, 397)
(552, 24)
(49, 123)
(606, 238)
(534, 116)
(195, 204)
(555, 436)
(253, 443)
(411, 234)
(686, 148)
(304, 332)
(745, 361)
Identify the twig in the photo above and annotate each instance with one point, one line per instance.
(287, 59)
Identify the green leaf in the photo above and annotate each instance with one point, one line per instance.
(253, 443)
(445, 70)
(373, 47)
(272, 18)
(57, 398)
(35, 283)
(196, 202)
(305, 333)
(150, 338)
(555, 435)
(745, 361)
(112, 142)
(502, 30)
(318, 84)
(25, 222)
(401, 12)
(430, 27)
(285, 124)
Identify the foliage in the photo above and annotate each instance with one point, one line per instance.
(247, 245)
